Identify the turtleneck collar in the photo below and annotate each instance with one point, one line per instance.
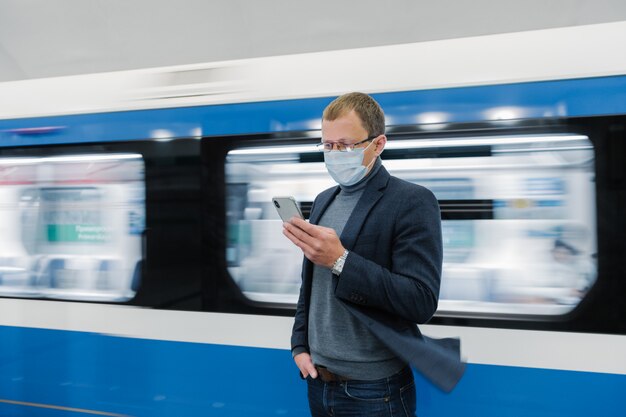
(361, 184)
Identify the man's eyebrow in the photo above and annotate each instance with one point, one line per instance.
(340, 140)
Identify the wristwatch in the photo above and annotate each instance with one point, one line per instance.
(338, 265)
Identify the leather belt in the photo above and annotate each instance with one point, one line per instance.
(327, 376)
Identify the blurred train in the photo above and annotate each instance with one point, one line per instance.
(142, 267)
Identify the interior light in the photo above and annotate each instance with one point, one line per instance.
(90, 158)
(68, 158)
(19, 161)
(424, 144)
(274, 150)
(432, 117)
(504, 113)
(162, 135)
(481, 141)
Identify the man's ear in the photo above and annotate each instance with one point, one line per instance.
(380, 144)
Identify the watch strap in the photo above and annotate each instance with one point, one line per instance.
(338, 265)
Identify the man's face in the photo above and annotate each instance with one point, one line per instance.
(348, 130)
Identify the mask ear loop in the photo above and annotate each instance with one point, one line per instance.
(374, 140)
(367, 168)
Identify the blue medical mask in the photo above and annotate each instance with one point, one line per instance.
(346, 168)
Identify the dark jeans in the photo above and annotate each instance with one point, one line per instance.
(393, 397)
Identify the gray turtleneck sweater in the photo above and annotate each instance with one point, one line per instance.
(337, 340)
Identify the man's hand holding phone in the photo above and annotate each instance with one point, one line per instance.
(320, 245)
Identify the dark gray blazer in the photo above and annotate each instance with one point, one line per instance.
(391, 278)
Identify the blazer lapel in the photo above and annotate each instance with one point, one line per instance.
(370, 197)
(322, 204)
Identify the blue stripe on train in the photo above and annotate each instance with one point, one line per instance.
(151, 378)
(546, 99)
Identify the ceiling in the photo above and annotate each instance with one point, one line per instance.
(43, 38)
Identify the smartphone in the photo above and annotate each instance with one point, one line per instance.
(287, 208)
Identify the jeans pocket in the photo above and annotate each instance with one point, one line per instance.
(367, 391)
(407, 396)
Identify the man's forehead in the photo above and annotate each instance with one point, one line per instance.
(347, 126)
(345, 115)
(341, 135)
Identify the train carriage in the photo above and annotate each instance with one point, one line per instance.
(142, 267)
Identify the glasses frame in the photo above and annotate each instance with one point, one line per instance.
(348, 148)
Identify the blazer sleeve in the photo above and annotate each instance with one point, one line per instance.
(409, 288)
(299, 331)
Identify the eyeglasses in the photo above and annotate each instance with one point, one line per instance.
(342, 147)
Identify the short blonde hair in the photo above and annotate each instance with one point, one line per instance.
(369, 111)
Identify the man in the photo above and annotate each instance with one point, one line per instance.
(372, 268)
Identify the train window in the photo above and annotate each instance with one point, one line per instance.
(71, 226)
(518, 219)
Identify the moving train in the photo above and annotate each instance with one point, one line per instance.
(142, 267)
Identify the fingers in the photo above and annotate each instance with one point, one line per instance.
(310, 229)
(305, 364)
(299, 232)
(309, 233)
(310, 368)
(296, 231)
(301, 236)
(293, 235)
(311, 248)
(322, 249)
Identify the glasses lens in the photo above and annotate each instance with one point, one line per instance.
(328, 146)
(340, 147)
